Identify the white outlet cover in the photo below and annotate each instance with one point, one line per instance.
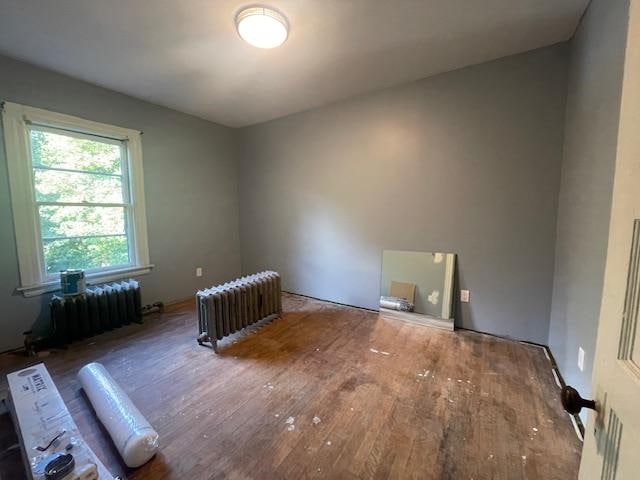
(464, 296)
(581, 359)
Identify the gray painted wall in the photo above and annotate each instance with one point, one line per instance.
(466, 162)
(593, 106)
(190, 189)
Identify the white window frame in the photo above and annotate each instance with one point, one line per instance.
(16, 120)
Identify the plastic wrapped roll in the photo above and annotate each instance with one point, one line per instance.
(133, 436)
(395, 303)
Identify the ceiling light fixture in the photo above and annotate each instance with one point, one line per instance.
(262, 27)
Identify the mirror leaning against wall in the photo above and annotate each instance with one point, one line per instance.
(418, 287)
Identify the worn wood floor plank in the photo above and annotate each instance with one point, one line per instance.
(392, 399)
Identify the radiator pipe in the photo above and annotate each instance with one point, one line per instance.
(152, 308)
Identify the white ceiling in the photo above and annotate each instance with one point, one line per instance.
(185, 54)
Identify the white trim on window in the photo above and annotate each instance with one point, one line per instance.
(16, 120)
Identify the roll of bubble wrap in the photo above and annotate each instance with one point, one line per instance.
(133, 436)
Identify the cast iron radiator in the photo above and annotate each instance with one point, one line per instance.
(99, 309)
(228, 308)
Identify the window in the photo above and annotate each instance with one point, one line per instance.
(77, 197)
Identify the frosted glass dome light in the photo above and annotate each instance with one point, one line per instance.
(262, 27)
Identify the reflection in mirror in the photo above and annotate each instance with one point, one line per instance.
(418, 286)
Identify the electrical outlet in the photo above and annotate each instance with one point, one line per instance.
(464, 296)
(199, 272)
(581, 359)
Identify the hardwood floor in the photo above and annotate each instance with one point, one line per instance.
(390, 399)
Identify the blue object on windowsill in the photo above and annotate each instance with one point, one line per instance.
(72, 282)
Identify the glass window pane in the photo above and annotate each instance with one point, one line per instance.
(57, 186)
(65, 151)
(85, 253)
(58, 221)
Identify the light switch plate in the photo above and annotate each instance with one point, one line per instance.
(581, 359)
(464, 296)
(199, 272)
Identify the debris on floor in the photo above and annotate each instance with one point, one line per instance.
(381, 352)
(290, 424)
(316, 420)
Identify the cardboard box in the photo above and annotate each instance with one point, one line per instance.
(403, 290)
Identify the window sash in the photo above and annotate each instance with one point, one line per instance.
(81, 204)
(131, 251)
(125, 193)
(68, 132)
(39, 166)
(77, 132)
(78, 237)
(89, 271)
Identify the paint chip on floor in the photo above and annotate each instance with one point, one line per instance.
(316, 420)
(291, 428)
(381, 352)
(329, 442)
(290, 420)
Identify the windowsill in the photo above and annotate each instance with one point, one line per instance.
(92, 279)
